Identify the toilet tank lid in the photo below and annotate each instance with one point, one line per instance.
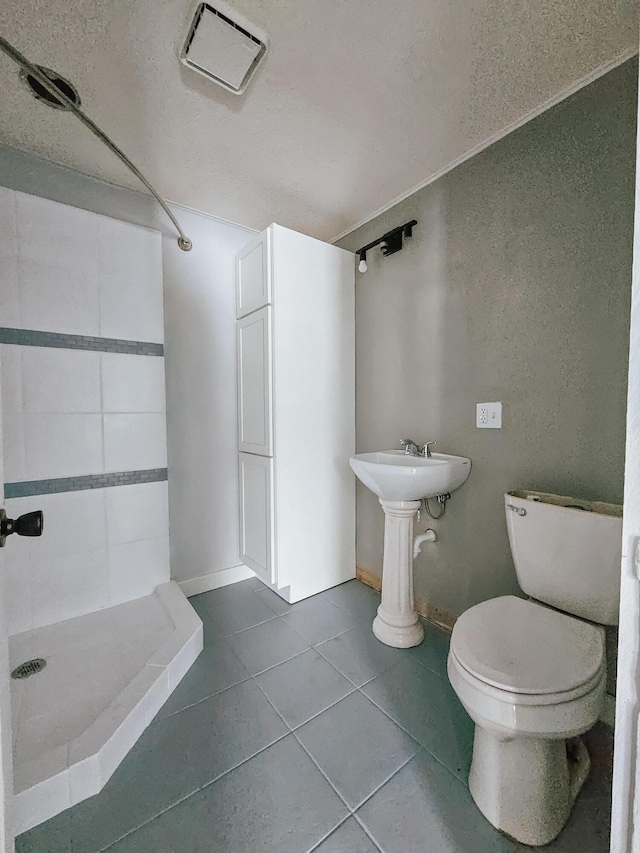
(523, 647)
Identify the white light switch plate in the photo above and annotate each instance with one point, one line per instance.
(489, 415)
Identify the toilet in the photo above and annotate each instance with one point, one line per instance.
(531, 674)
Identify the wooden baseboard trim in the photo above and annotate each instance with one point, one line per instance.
(440, 617)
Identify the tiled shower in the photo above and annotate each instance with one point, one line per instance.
(84, 429)
(80, 411)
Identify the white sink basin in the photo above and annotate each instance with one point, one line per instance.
(394, 476)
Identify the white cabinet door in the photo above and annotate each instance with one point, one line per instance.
(256, 515)
(253, 281)
(254, 383)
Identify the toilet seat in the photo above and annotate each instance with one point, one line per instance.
(521, 648)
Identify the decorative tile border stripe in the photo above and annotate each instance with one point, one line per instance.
(31, 338)
(28, 488)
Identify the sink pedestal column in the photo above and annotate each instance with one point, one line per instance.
(397, 621)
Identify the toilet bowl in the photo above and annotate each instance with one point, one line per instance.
(530, 678)
(529, 673)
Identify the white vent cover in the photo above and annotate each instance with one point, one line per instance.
(223, 46)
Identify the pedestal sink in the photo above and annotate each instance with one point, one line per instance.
(400, 481)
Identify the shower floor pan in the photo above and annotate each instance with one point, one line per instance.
(107, 675)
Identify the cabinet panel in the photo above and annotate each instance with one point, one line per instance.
(256, 515)
(254, 383)
(253, 289)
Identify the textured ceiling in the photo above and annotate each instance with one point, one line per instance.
(356, 103)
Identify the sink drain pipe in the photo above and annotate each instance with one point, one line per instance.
(428, 536)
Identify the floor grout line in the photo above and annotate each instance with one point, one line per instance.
(382, 784)
(366, 830)
(329, 834)
(426, 749)
(333, 787)
(313, 717)
(200, 701)
(197, 790)
(296, 731)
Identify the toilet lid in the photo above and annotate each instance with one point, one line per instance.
(523, 647)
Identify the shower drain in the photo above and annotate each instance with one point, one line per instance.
(28, 668)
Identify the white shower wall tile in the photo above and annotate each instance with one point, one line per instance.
(137, 512)
(61, 380)
(17, 579)
(57, 235)
(131, 298)
(130, 309)
(62, 445)
(132, 383)
(54, 260)
(76, 272)
(12, 408)
(136, 568)
(68, 586)
(129, 251)
(76, 522)
(58, 299)
(9, 242)
(87, 558)
(134, 442)
(9, 292)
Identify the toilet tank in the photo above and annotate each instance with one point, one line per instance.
(567, 552)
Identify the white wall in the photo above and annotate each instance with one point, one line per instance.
(75, 412)
(201, 398)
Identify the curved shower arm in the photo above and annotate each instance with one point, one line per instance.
(183, 241)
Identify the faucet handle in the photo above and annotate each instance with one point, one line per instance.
(426, 448)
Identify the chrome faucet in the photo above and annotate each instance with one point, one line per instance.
(410, 447)
(413, 449)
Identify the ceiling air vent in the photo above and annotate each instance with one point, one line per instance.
(223, 46)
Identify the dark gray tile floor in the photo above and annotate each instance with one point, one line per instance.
(297, 731)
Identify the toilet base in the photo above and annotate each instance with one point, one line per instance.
(526, 787)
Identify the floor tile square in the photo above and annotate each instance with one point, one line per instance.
(53, 836)
(427, 707)
(278, 802)
(302, 687)
(216, 668)
(357, 746)
(319, 620)
(267, 645)
(174, 758)
(357, 599)
(348, 838)
(225, 615)
(433, 650)
(359, 655)
(277, 604)
(423, 807)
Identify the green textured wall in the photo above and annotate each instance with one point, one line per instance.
(516, 287)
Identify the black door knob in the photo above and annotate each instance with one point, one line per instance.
(29, 524)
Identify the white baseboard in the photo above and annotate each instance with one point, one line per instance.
(222, 577)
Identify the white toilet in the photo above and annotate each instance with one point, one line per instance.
(531, 677)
